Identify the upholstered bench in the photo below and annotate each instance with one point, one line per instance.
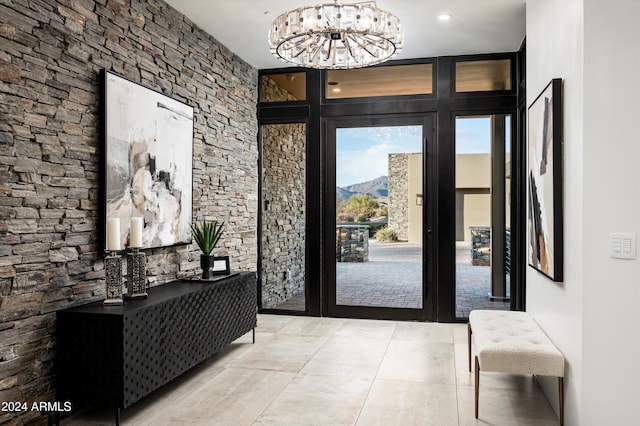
(512, 342)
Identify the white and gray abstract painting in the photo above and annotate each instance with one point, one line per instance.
(149, 145)
(544, 216)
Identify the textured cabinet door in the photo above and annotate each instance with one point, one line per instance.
(144, 352)
(116, 355)
(89, 357)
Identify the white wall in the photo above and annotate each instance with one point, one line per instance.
(555, 50)
(593, 315)
(611, 163)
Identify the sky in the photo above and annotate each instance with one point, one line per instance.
(362, 152)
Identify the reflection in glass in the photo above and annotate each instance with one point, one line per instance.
(283, 87)
(378, 221)
(393, 80)
(483, 76)
(283, 216)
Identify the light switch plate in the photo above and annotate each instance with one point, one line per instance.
(622, 245)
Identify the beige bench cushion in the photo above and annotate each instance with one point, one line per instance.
(512, 342)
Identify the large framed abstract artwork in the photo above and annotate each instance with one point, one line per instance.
(148, 162)
(544, 182)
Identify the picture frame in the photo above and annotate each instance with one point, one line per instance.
(545, 182)
(221, 266)
(147, 163)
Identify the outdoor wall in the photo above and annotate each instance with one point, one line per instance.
(473, 193)
(398, 187)
(414, 175)
(473, 198)
(555, 49)
(473, 171)
(405, 182)
(50, 56)
(476, 211)
(283, 215)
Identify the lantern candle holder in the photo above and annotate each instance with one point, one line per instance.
(136, 274)
(113, 278)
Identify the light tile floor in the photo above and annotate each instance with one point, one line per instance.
(329, 371)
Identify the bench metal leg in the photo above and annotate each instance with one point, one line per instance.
(477, 384)
(561, 396)
(469, 343)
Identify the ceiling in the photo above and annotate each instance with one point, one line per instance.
(477, 26)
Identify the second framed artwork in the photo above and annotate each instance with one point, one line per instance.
(544, 182)
(148, 163)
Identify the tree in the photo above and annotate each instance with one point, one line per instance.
(362, 205)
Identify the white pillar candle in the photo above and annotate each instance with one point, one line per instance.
(135, 234)
(113, 234)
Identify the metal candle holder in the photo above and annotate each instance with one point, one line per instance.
(113, 278)
(136, 274)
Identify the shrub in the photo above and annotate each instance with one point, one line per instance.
(361, 205)
(385, 234)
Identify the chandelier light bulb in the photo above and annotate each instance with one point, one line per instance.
(336, 36)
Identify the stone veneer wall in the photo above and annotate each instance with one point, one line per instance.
(283, 222)
(399, 195)
(50, 56)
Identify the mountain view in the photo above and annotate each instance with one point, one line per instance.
(377, 188)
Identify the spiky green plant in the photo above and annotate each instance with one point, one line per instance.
(207, 235)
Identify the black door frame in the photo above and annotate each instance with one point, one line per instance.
(515, 193)
(426, 121)
(308, 112)
(444, 103)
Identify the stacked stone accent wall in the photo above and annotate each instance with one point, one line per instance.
(399, 195)
(480, 245)
(352, 243)
(283, 216)
(50, 156)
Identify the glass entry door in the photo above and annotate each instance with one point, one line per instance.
(375, 214)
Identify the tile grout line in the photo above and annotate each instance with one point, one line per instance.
(373, 381)
(297, 373)
(455, 368)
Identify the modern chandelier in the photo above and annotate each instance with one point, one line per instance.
(336, 36)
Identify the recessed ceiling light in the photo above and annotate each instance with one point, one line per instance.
(336, 89)
(445, 17)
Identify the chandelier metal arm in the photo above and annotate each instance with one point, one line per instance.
(348, 46)
(361, 45)
(381, 43)
(329, 48)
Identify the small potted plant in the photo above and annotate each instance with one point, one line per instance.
(207, 234)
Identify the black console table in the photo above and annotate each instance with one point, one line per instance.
(115, 355)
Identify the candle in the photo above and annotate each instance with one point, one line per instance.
(113, 234)
(135, 235)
